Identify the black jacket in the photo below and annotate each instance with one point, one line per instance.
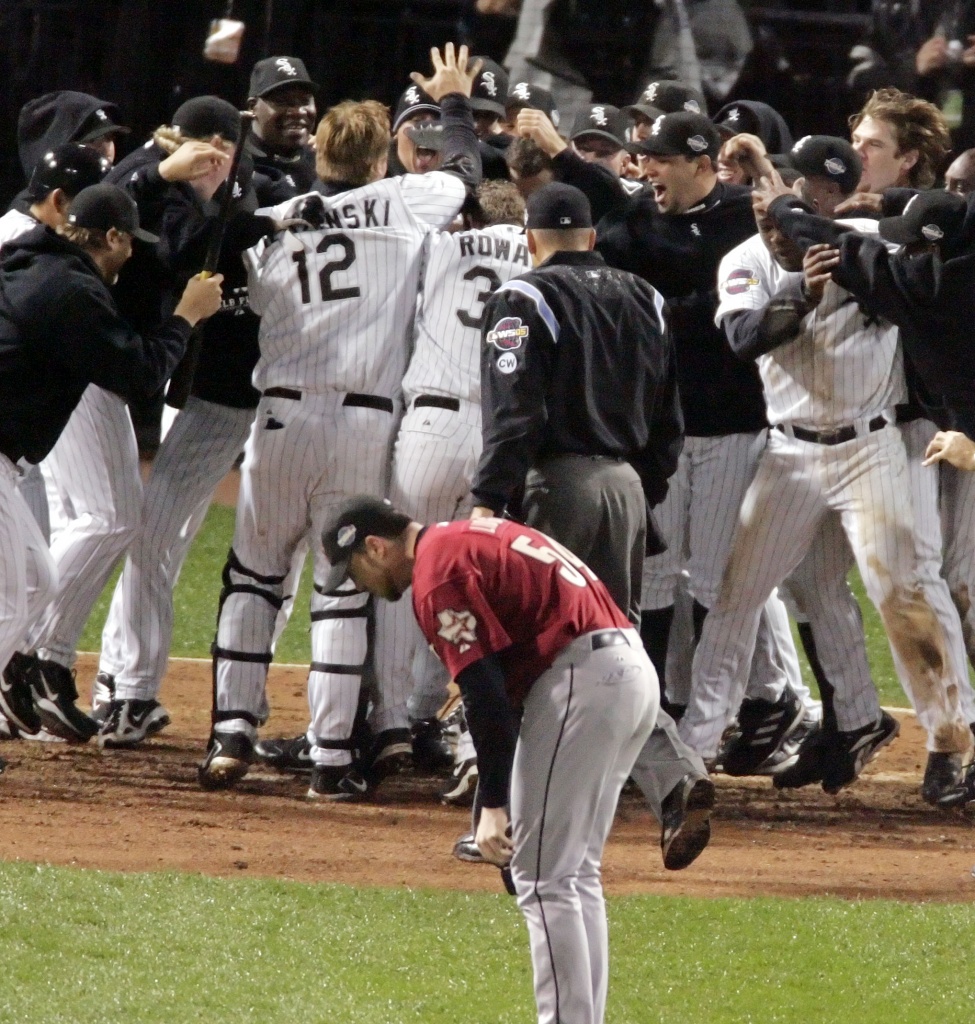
(60, 331)
(930, 297)
(679, 255)
(281, 177)
(576, 359)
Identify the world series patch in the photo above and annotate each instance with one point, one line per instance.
(508, 333)
(740, 281)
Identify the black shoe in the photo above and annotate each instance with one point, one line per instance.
(943, 785)
(686, 827)
(459, 790)
(810, 764)
(391, 754)
(102, 695)
(336, 783)
(465, 849)
(763, 726)
(788, 753)
(229, 755)
(431, 752)
(55, 694)
(129, 722)
(852, 751)
(287, 755)
(16, 693)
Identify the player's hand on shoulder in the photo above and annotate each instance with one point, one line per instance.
(201, 298)
(492, 836)
(861, 202)
(451, 73)
(950, 446)
(817, 270)
(193, 160)
(311, 212)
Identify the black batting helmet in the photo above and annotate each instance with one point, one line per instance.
(70, 168)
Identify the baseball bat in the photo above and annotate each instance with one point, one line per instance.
(181, 383)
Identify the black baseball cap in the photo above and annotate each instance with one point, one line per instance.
(414, 101)
(276, 72)
(100, 207)
(733, 119)
(528, 96)
(680, 134)
(427, 136)
(490, 88)
(71, 168)
(827, 156)
(665, 97)
(600, 121)
(933, 216)
(346, 532)
(204, 116)
(558, 207)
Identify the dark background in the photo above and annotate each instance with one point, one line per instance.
(146, 55)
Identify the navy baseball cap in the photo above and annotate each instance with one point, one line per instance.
(827, 156)
(600, 121)
(558, 207)
(490, 88)
(70, 168)
(414, 101)
(100, 207)
(205, 116)
(276, 73)
(346, 532)
(664, 97)
(680, 134)
(528, 96)
(935, 216)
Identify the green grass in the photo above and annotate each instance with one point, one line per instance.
(97, 948)
(199, 588)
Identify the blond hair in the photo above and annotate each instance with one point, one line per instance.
(916, 125)
(498, 202)
(351, 140)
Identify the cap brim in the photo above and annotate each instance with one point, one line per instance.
(487, 107)
(307, 82)
(425, 140)
(639, 108)
(144, 236)
(337, 575)
(102, 130)
(595, 133)
(894, 229)
(726, 131)
(411, 112)
(650, 147)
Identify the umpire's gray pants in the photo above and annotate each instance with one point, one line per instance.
(596, 508)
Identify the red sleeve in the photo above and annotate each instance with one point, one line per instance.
(457, 620)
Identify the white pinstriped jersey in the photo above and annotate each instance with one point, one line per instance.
(463, 270)
(844, 366)
(337, 303)
(13, 224)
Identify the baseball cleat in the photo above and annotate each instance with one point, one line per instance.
(336, 783)
(459, 790)
(391, 754)
(431, 751)
(852, 751)
(787, 754)
(686, 826)
(943, 781)
(465, 849)
(129, 722)
(229, 755)
(102, 695)
(763, 726)
(55, 694)
(287, 755)
(810, 763)
(16, 693)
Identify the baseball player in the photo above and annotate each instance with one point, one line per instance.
(524, 625)
(337, 305)
(61, 330)
(832, 376)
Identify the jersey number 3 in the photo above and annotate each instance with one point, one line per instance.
(328, 293)
(466, 316)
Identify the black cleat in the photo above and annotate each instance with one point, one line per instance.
(336, 783)
(763, 727)
(686, 827)
(102, 695)
(287, 755)
(459, 790)
(16, 693)
(465, 849)
(229, 755)
(852, 751)
(391, 754)
(431, 751)
(55, 694)
(943, 781)
(129, 722)
(810, 763)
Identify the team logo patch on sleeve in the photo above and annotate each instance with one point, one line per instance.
(508, 333)
(457, 628)
(740, 280)
(507, 362)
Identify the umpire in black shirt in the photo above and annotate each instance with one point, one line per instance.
(580, 406)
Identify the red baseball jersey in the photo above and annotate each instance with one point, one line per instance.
(493, 586)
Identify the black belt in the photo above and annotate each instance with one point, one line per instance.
(369, 401)
(291, 393)
(437, 402)
(608, 638)
(839, 436)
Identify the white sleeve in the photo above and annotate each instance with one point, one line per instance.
(742, 280)
(434, 198)
(254, 260)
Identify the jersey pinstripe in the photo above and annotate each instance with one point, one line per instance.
(13, 224)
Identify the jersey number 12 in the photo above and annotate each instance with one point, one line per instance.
(328, 293)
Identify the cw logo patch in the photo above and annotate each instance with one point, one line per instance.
(508, 334)
(457, 628)
(740, 281)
